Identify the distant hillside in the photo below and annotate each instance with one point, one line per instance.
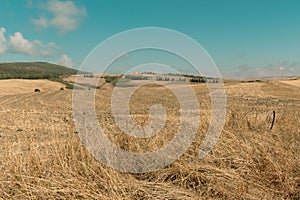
(33, 70)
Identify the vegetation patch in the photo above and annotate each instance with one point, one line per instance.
(112, 79)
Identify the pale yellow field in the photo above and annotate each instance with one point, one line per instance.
(293, 82)
(246, 89)
(19, 86)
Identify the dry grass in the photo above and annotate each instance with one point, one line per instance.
(42, 156)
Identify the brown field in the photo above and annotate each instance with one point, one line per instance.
(42, 157)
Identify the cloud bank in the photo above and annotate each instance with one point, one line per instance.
(17, 43)
(280, 69)
(64, 16)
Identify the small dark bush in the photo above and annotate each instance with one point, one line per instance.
(69, 85)
(112, 79)
(37, 90)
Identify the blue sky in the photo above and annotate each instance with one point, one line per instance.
(244, 38)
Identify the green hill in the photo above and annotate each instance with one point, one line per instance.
(34, 70)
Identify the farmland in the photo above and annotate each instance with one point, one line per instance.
(42, 155)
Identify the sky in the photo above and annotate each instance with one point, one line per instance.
(245, 38)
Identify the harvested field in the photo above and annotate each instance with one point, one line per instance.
(42, 156)
(19, 86)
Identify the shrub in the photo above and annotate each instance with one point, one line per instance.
(112, 79)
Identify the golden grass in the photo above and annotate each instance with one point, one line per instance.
(42, 156)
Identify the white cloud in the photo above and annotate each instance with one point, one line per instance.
(18, 44)
(40, 23)
(2, 41)
(63, 8)
(65, 16)
(64, 60)
(64, 23)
